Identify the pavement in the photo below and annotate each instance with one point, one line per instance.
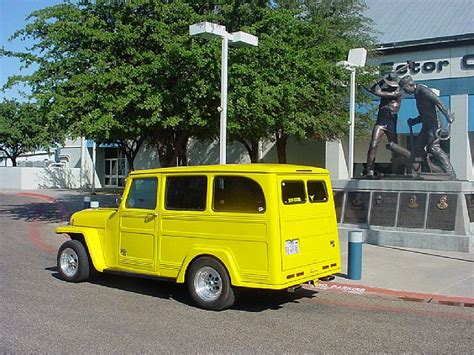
(419, 275)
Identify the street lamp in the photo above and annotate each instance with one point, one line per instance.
(356, 58)
(210, 30)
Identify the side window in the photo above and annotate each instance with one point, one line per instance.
(293, 192)
(142, 194)
(186, 193)
(237, 194)
(317, 191)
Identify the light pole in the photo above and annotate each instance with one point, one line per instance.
(356, 58)
(210, 30)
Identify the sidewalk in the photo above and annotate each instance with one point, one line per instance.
(414, 274)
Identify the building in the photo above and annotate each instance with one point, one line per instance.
(439, 36)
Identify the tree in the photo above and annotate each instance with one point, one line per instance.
(122, 72)
(22, 129)
(290, 86)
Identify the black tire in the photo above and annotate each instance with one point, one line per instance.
(72, 260)
(209, 285)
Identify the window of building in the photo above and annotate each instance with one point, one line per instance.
(186, 193)
(143, 194)
(317, 191)
(238, 194)
(115, 168)
(293, 192)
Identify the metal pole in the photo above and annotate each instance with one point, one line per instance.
(223, 125)
(352, 124)
(94, 157)
(354, 264)
(81, 174)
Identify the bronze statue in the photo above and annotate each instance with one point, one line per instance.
(428, 105)
(390, 98)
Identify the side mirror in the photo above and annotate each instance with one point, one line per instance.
(118, 201)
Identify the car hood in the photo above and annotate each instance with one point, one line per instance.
(92, 217)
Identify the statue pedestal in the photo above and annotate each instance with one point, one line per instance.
(435, 215)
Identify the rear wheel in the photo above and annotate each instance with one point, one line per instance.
(209, 285)
(73, 263)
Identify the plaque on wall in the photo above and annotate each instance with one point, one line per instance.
(338, 202)
(470, 206)
(384, 208)
(442, 211)
(411, 213)
(357, 207)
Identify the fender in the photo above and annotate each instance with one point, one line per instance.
(223, 255)
(93, 243)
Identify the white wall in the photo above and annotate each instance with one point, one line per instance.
(22, 178)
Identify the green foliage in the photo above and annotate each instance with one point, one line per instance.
(122, 71)
(22, 129)
(127, 71)
(290, 85)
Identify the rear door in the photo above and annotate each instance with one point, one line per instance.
(307, 220)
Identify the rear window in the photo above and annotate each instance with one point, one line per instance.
(238, 194)
(317, 191)
(186, 193)
(293, 192)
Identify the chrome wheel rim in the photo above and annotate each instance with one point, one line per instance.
(69, 262)
(208, 284)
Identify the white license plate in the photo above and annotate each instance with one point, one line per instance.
(292, 246)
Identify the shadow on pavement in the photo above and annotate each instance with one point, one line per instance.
(249, 300)
(60, 211)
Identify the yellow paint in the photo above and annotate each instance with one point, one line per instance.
(252, 246)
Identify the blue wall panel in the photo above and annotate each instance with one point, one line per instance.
(470, 113)
(409, 110)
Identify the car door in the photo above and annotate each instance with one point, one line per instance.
(138, 227)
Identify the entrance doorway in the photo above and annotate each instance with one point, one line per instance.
(115, 168)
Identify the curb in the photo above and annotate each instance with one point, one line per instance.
(402, 295)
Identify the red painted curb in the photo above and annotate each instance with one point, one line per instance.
(62, 209)
(35, 235)
(403, 295)
(35, 195)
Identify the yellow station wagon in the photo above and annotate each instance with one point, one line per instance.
(216, 228)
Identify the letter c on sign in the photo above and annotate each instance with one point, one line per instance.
(467, 62)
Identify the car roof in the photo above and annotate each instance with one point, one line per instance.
(236, 168)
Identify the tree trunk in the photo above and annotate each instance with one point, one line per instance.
(180, 149)
(252, 149)
(13, 159)
(130, 148)
(281, 140)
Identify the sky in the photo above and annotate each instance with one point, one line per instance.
(13, 15)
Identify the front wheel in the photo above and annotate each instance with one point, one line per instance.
(209, 285)
(73, 263)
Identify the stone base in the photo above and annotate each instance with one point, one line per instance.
(435, 215)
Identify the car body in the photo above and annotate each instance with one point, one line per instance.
(217, 228)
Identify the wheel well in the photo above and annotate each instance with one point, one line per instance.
(80, 238)
(207, 256)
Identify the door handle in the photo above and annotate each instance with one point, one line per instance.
(154, 214)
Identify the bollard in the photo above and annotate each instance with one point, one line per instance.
(354, 268)
(87, 202)
(94, 204)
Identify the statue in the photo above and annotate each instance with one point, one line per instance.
(390, 98)
(427, 144)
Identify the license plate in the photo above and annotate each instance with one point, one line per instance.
(292, 246)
